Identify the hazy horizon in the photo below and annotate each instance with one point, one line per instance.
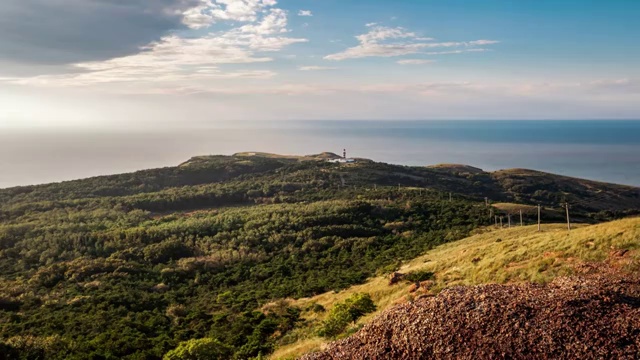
(598, 150)
(105, 86)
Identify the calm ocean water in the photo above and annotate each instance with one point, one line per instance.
(599, 150)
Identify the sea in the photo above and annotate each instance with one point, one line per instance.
(604, 150)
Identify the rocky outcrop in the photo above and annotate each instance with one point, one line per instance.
(589, 317)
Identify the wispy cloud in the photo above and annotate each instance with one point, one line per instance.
(415, 62)
(305, 13)
(452, 52)
(382, 41)
(315, 68)
(626, 86)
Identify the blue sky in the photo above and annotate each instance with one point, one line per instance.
(105, 63)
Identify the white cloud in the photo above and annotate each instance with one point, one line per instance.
(172, 59)
(380, 33)
(266, 35)
(177, 59)
(305, 13)
(382, 41)
(415, 62)
(207, 12)
(315, 68)
(370, 24)
(482, 42)
(240, 10)
(200, 16)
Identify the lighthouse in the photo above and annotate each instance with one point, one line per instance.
(342, 160)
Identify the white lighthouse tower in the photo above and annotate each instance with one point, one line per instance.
(344, 159)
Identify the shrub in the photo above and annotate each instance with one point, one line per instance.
(417, 276)
(345, 313)
(317, 308)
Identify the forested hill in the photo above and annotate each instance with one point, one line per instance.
(199, 180)
(154, 263)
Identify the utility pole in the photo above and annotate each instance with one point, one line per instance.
(538, 217)
(521, 224)
(566, 206)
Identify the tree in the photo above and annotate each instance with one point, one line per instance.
(200, 349)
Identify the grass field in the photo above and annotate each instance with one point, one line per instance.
(491, 256)
(513, 208)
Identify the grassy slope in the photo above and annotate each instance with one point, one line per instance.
(493, 256)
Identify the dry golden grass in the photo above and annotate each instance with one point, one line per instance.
(492, 256)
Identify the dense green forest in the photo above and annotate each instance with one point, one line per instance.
(152, 264)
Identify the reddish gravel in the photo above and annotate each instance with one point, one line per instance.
(591, 317)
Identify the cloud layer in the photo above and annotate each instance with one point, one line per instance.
(177, 59)
(249, 52)
(69, 31)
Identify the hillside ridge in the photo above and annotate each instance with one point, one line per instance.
(492, 256)
(511, 185)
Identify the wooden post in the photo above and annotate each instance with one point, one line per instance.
(566, 205)
(495, 217)
(538, 217)
(509, 218)
(501, 221)
(450, 197)
(521, 223)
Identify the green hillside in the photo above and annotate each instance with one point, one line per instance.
(493, 256)
(132, 266)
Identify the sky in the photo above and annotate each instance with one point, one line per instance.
(198, 63)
